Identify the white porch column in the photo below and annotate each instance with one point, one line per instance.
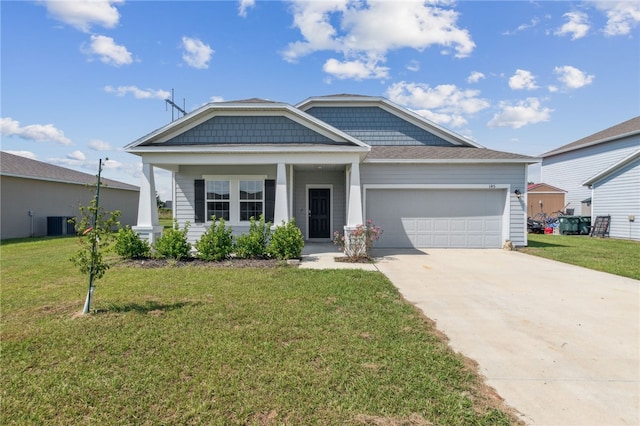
(281, 212)
(354, 212)
(148, 226)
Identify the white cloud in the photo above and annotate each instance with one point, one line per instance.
(573, 78)
(34, 132)
(475, 77)
(138, 93)
(99, 145)
(77, 156)
(577, 25)
(370, 29)
(196, 54)
(622, 16)
(522, 80)
(82, 14)
(108, 51)
(413, 66)
(523, 27)
(445, 104)
(25, 154)
(244, 5)
(357, 70)
(529, 111)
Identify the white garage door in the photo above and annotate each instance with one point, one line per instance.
(437, 218)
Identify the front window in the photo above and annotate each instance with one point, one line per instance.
(218, 199)
(251, 199)
(234, 198)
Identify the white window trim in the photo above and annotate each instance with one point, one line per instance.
(234, 195)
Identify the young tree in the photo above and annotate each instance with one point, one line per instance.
(95, 234)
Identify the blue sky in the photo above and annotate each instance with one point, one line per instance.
(82, 79)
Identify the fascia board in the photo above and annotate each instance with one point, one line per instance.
(250, 149)
(68, 182)
(558, 151)
(609, 170)
(453, 161)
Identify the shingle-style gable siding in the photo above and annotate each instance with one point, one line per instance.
(375, 126)
(249, 130)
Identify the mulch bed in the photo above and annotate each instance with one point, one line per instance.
(229, 263)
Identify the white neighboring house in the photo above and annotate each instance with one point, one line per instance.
(37, 198)
(602, 170)
(330, 163)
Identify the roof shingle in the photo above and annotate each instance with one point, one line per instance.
(14, 165)
(422, 153)
(628, 127)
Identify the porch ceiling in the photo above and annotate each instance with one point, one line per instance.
(319, 167)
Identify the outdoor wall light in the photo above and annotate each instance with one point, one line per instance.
(518, 193)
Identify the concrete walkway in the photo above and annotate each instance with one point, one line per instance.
(560, 343)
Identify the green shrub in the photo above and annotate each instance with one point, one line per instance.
(254, 244)
(286, 241)
(129, 245)
(216, 243)
(173, 243)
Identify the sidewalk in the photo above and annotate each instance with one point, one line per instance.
(323, 256)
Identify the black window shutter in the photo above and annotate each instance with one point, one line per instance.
(200, 210)
(269, 200)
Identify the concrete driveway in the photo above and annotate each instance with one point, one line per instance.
(558, 342)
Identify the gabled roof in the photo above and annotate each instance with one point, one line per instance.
(625, 129)
(16, 166)
(436, 154)
(248, 107)
(543, 187)
(347, 100)
(610, 170)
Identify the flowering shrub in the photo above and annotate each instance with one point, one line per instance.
(356, 243)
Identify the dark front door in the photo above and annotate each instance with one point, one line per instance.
(319, 213)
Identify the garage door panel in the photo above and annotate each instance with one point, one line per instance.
(437, 218)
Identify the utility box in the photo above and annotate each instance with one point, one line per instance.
(59, 225)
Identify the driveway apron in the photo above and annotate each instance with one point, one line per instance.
(558, 342)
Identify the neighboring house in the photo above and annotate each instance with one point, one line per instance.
(331, 163)
(545, 199)
(600, 174)
(37, 198)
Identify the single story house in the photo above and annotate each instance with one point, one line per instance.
(601, 174)
(545, 199)
(38, 198)
(331, 163)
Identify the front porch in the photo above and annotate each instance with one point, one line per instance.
(321, 197)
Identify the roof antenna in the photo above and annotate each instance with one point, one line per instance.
(174, 106)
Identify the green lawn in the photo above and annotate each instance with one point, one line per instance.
(620, 257)
(205, 345)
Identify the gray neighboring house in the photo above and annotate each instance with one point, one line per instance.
(37, 198)
(601, 174)
(331, 163)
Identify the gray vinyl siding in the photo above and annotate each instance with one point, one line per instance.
(618, 195)
(463, 174)
(336, 179)
(49, 198)
(249, 130)
(375, 126)
(571, 169)
(185, 198)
